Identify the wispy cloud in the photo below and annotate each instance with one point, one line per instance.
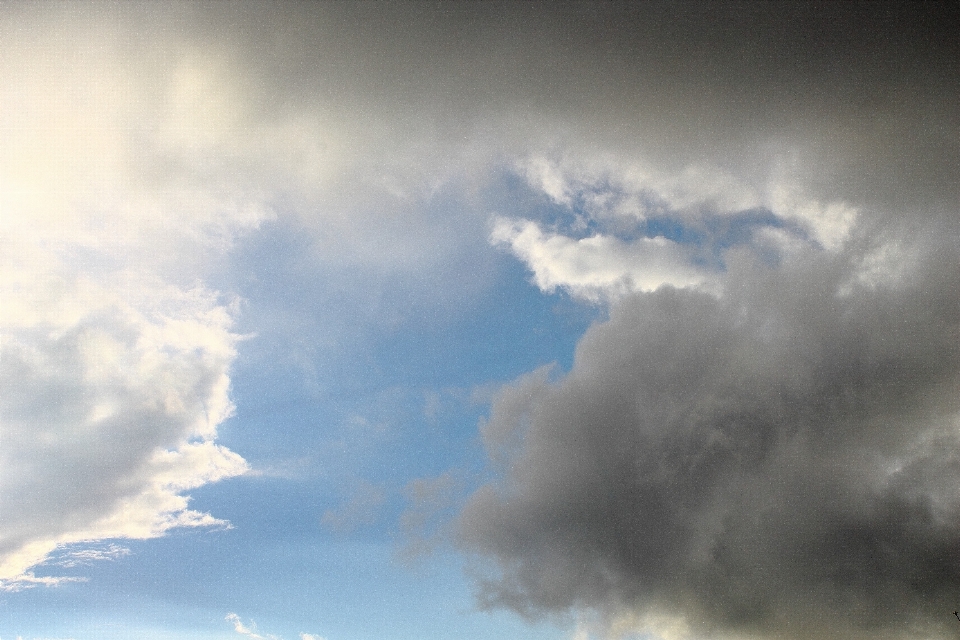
(250, 630)
(75, 557)
(363, 508)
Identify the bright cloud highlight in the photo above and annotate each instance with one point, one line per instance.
(597, 266)
(115, 363)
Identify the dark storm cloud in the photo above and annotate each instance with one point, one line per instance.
(871, 88)
(833, 90)
(781, 459)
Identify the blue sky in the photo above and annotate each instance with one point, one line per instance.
(391, 320)
(342, 381)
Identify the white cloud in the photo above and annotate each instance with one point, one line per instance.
(829, 223)
(614, 186)
(615, 196)
(244, 630)
(110, 407)
(608, 186)
(115, 363)
(251, 631)
(86, 556)
(598, 266)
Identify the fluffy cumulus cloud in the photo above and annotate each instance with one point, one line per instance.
(779, 459)
(597, 265)
(618, 212)
(110, 411)
(115, 363)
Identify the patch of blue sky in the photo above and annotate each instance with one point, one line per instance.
(388, 403)
(738, 228)
(182, 586)
(112, 604)
(509, 194)
(352, 377)
(342, 349)
(513, 327)
(675, 229)
(711, 232)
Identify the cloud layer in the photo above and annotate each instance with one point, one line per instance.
(770, 450)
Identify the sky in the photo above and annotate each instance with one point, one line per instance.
(546, 321)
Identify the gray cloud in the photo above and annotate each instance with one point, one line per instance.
(776, 457)
(780, 459)
(430, 503)
(363, 508)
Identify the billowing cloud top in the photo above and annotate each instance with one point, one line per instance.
(115, 357)
(781, 456)
(761, 439)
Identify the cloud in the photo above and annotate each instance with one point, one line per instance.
(613, 188)
(780, 459)
(110, 408)
(597, 266)
(86, 556)
(251, 631)
(424, 522)
(142, 141)
(363, 508)
(608, 238)
(607, 185)
(244, 630)
(115, 363)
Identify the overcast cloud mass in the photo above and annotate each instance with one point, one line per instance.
(262, 254)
